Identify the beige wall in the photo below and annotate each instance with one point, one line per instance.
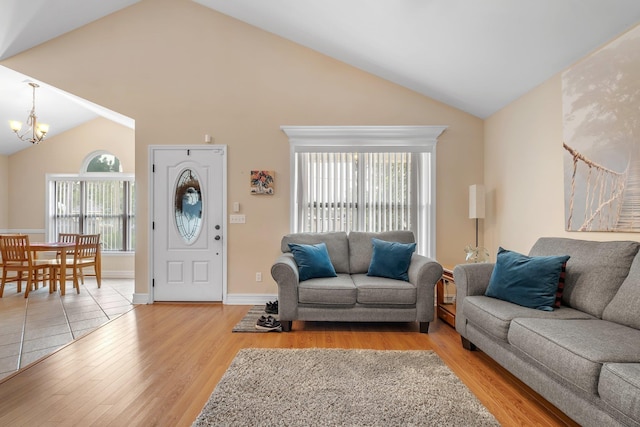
(524, 173)
(4, 192)
(181, 70)
(64, 153)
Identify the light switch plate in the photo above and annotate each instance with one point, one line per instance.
(237, 219)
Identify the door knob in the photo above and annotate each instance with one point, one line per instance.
(217, 237)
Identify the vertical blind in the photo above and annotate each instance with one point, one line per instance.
(360, 191)
(104, 207)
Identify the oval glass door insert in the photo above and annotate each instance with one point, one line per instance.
(188, 206)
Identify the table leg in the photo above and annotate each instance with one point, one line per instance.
(63, 270)
(99, 266)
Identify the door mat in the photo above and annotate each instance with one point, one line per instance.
(248, 322)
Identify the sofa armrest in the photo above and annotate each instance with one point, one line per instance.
(424, 273)
(285, 272)
(470, 280)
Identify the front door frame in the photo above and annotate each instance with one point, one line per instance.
(151, 256)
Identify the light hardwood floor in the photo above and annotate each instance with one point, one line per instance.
(156, 365)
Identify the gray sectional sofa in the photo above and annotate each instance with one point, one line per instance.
(353, 296)
(583, 357)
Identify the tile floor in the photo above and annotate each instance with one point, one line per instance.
(31, 328)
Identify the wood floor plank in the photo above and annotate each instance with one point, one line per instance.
(158, 364)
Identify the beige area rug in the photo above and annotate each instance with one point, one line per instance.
(336, 387)
(248, 322)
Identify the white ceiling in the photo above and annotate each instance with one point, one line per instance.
(477, 56)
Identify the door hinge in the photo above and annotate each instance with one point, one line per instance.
(188, 152)
(153, 283)
(153, 168)
(153, 225)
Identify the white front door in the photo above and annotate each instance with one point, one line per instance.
(187, 242)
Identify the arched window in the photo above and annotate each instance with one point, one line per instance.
(101, 161)
(99, 199)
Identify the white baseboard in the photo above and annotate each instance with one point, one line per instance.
(249, 299)
(141, 298)
(118, 274)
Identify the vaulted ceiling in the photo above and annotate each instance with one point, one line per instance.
(477, 56)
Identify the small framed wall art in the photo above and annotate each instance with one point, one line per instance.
(262, 182)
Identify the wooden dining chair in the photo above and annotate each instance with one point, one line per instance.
(68, 238)
(86, 254)
(17, 257)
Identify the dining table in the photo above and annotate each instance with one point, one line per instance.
(61, 248)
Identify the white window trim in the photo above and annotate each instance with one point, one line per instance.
(369, 138)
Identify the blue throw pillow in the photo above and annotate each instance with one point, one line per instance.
(527, 281)
(312, 260)
(391, 259)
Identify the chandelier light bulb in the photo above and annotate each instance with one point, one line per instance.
(15, 125)
(43, 129)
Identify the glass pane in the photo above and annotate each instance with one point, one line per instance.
(188, 206)
(104, 163)
(67, 207)
(131, 218)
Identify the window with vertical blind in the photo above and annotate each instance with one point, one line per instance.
(93, 203)
(357, 191)
(372, 178)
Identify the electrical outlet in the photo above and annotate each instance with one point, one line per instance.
(258, 277)
(237, 219)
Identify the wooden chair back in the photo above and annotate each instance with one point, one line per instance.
(67, 237)
(15, 250)
(86, 247)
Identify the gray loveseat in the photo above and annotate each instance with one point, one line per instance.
(583, 357)
(353, 296)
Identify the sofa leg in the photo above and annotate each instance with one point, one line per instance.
(468, 345)
(424, 327)
(286, 325)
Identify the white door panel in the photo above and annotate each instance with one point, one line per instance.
(188, 214)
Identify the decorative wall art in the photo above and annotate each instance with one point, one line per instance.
(262, 182)
(601, 131)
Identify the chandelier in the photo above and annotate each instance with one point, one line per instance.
(35, 131)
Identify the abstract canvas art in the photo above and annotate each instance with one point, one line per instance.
(262, 182)
(601, 132)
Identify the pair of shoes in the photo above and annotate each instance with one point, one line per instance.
(268, 323)
(271, 307)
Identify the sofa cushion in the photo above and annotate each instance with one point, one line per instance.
(361, 247)
(331, 291)
(619, 386)
(527, 281)
(391, 259)
(576, 349)
(337, 246)
(595, 271)
(625, 306)
(312, 261)
(494, 316)
(382, 291)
